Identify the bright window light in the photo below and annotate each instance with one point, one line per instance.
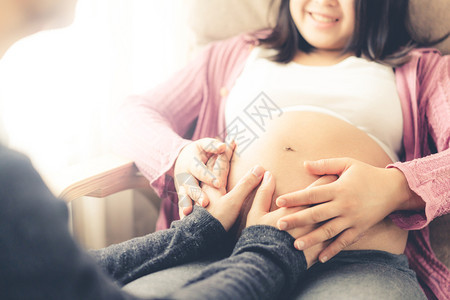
(60, 89)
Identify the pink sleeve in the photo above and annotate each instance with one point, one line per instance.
(429, 177)
(150, 127)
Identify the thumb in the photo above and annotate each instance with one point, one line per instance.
(263, 198)
(328, 166)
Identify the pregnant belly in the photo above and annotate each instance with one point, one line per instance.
(297, 136)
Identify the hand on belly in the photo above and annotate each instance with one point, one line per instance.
(296, 137)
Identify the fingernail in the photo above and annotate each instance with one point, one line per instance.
(300, 245)
(216, 183)
(323, 259)
(267, 176)
(307, 162)
(282, 225)
(184, 213)
(281, 202)
(257, 171)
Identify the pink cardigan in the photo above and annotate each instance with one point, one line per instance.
(152, 129)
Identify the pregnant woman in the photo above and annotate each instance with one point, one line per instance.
(339, 80)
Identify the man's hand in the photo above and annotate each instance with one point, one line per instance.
(226, 207)
(260, 214)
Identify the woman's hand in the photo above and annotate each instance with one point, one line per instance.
(190, 168)
(361, 197)
(226, 207)
(260, 214)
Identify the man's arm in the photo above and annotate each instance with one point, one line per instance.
(195, 236)
(264, 265)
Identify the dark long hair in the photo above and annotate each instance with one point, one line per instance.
(381, 33)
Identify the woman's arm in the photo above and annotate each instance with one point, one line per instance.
(364, 195)
(429, 177)
(151, 127)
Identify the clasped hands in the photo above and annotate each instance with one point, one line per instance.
(326, 217)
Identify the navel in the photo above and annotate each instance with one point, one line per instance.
(287, 148)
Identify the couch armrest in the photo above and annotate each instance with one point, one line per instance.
(99, 177)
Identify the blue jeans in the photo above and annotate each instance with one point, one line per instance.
(361, 274)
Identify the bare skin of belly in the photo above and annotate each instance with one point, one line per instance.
(297, 136)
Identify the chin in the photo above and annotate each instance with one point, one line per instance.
(322, 45)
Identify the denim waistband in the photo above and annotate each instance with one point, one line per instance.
(398, 261)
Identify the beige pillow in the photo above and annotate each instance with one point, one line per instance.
(218, 19)
(431, 19)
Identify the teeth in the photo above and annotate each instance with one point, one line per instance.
(320, 18)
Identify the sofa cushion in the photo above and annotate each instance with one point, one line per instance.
(218, 19)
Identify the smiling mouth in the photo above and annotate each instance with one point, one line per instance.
(322, 19)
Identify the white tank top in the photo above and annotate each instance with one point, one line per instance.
(356, 90)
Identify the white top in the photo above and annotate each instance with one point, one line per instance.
(356, 90)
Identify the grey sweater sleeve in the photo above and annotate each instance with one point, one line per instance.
(196, 235)
(264, 265)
